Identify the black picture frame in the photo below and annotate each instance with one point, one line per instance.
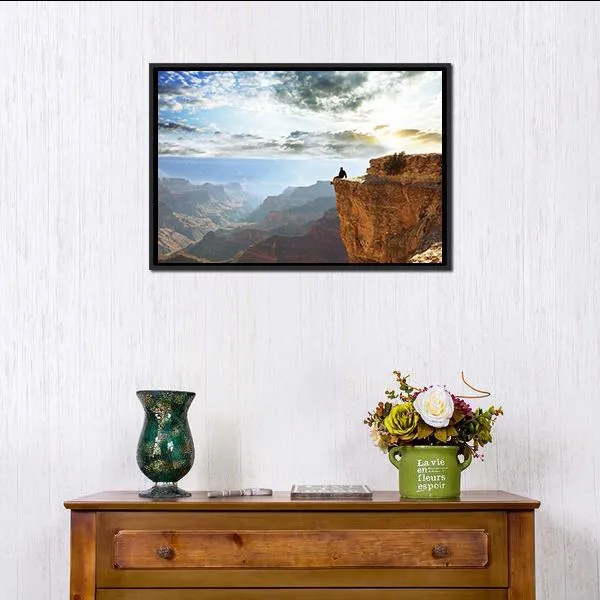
(446, 167)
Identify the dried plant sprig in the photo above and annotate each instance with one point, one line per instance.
(483, 393)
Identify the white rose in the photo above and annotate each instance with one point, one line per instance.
(435, 406)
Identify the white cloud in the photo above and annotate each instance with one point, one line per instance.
(254, 113)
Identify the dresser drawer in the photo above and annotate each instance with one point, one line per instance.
(299, 594)
(302, 549)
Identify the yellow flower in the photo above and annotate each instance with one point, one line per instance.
(402, 421)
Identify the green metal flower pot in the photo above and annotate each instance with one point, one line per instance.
(428, 472)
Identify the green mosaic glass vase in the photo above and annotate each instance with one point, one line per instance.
(165, 451)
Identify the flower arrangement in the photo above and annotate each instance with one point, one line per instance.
(431, 416)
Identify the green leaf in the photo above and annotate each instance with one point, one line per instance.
(457, 417)
(440, 434)
(424, 430)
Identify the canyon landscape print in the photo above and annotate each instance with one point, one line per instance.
(297, 166)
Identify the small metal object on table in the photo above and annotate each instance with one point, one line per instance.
(242, 492)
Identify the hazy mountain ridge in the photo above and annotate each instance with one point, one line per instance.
(259, 177)
(297, 215)
(320, 244)
(292, 196)
(307, 204)
(186, 211)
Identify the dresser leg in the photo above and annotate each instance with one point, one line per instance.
(521, 546)
(83, 555)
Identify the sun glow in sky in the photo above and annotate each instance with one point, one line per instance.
(299, 114)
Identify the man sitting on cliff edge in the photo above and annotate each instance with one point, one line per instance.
(341, 175)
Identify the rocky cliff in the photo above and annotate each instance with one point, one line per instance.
(394, 212)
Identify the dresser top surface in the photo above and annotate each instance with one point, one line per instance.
(382, 501)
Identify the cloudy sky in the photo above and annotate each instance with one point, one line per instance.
(298, 114)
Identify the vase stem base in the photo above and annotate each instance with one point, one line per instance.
(164, 491)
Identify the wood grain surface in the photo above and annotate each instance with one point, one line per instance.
(83, 556)
(287, 364)
(295, 549)
(131, 539)
(262, 594)
(381, 501)
(521, 544)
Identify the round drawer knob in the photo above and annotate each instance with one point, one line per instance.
(440, 551)
(166, 552)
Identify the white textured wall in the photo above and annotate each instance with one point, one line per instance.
(286, 365)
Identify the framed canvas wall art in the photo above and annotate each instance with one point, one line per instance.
(313, 166)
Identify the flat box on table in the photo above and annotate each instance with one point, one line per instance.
(331, 492)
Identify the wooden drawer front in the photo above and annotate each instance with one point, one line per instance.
(438, 548)
(322, 594)
(301, 549)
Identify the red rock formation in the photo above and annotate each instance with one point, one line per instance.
(222, 245)
(390, 218)
(321, 244)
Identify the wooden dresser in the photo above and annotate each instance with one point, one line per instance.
(480, 547)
